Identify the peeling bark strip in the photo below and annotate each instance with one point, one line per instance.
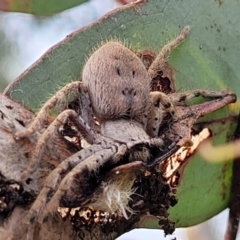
(14, 159)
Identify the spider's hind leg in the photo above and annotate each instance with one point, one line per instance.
(79, 176)
(159, 63)
(51, 184)
(79, 185)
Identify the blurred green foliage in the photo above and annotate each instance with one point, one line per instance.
(6, 56)
(39, 7)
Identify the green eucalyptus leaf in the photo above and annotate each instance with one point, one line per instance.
(204, 190)
(208, 59)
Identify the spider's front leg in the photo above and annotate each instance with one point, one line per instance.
(180, 98)
(80, 122)
(79, 177)
(55, 177)
(74, 171)
(160, 106)
(42, 115)
(51, 130)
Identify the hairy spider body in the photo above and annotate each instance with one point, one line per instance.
(128, 85)
(115, 89)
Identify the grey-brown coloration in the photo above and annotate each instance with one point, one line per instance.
(115, 89)
(15, 118)
(124, 91)
(14, 159)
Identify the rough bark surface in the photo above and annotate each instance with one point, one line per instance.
(14, 158)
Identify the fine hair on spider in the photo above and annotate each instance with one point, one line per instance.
(115, 89)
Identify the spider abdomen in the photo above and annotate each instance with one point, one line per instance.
(118, 73)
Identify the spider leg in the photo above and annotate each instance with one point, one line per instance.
(185, 117)
(69, 187)
(158, 142)
(86, 109)
(72, 87)
(144, 154)
(53, 180)
(161, 105)
(161, 158)
(161, 59)
(51, 130)
(183, 96)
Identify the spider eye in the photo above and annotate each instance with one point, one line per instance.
(133, 73)
(28, 181)
(118, 72)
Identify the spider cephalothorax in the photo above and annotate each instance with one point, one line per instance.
(115, 93)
